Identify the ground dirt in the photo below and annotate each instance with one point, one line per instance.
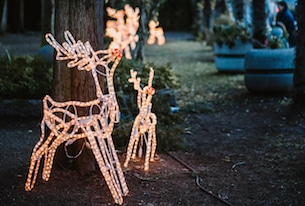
(249, 151)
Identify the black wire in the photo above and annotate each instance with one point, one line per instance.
(197, 179)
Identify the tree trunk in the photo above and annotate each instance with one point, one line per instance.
(16, 15)
(207, 18)
(47, 16)
(220, 8)
(139, 53)
(207, 13)
(299, 74)
(259, 22)
(84, 19)
(238, 7)
(3, 16)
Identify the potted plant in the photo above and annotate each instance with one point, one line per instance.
(270, 69)
(232, 39)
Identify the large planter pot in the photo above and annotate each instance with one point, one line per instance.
(269, 70)
(231, 59)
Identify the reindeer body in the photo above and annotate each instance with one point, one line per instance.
(155, 33)
(66, 126)
(144, 126)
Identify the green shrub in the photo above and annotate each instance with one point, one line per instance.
(27, 77)
(227, 32)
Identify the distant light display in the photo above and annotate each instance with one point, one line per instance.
(124, 27)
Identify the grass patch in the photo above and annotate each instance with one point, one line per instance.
(202, 86)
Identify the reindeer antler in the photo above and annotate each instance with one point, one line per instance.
(81, 55)
(145, 94)
(149, 89)
(135, 80)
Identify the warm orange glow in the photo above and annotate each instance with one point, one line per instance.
(144, 126)
(155, 33)
(66, 126)
(123, 29)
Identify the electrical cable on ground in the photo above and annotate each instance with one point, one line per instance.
(198, 179)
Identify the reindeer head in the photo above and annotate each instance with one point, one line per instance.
(145, 94)
(82, 56)
(79, 54)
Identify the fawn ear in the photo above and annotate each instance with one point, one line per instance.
(110, 11)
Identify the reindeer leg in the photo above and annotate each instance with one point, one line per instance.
(54, 136)
(42, 136)
(64, 136)
(45, 168)
(129, 151)
(131, 145)
(148, 150)
(153, 143)
(38, 151)
(154, 139)
(104, 168)
(137, 137)
(50, 157)
(117, 166)
(31, 178)
(109, 154)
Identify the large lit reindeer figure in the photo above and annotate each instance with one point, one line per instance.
(144, 126)
(65, 125)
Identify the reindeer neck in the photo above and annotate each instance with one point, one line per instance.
(98, 89)
(109, 77)
(110, 82)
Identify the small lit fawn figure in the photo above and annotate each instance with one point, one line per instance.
(144, 126)
(65, 125)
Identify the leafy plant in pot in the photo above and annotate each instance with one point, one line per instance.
(232, 39)
(270, 70)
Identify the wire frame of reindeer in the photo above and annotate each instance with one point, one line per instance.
(66, 125)
(144, 126)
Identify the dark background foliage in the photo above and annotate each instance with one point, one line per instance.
(27, 77)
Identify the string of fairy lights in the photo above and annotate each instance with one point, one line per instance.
(124, 26)
(63, 124)
(144, 126)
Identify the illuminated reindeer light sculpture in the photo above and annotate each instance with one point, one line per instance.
(155, 33)
(123, 29)
(145, 122)
(66, 126)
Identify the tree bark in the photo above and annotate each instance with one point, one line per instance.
(84, 19)
(220, 8)
(299, 74)
(3, 16)
(207, 14)
(238, 6)
(259, 22)
(47, 15)
(16, 16)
